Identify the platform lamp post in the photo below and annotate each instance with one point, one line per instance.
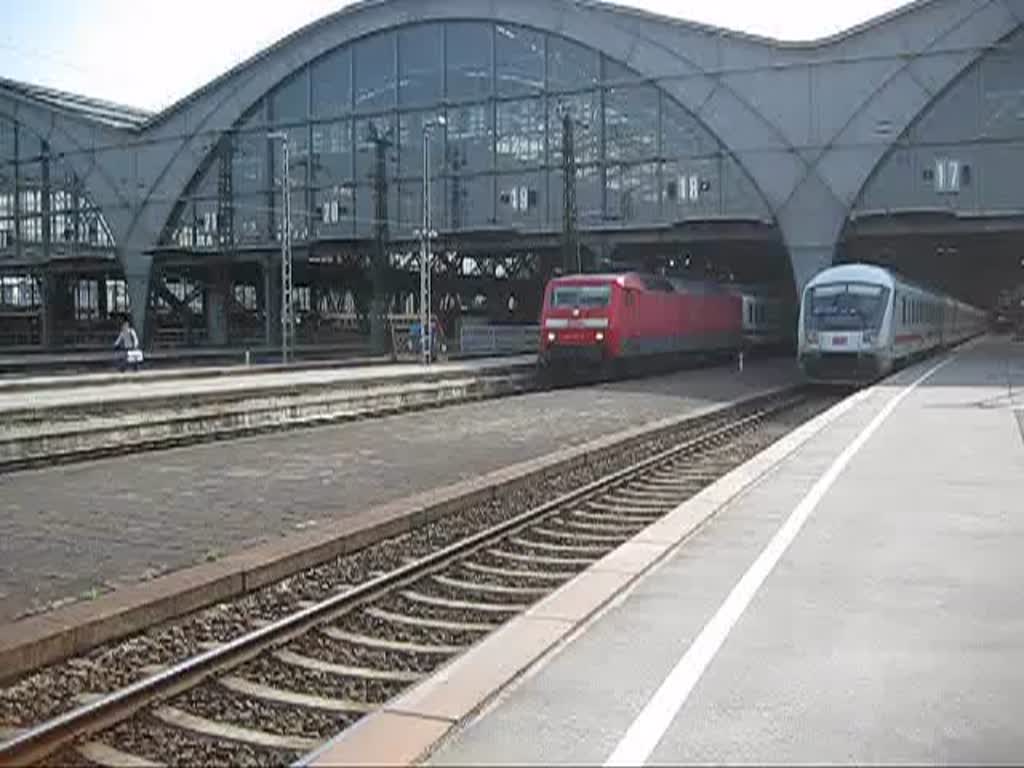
(287, 304)
(426, 234)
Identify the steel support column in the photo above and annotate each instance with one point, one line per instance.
(216, 304)
(138, 273)
(54, 294)
(271, 300)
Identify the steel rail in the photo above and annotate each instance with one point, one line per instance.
(43, 740)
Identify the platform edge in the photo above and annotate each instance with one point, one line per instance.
(593, 593)
(40, 641)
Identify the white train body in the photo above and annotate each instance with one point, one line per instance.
(860, 322)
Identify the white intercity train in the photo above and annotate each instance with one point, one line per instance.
(860, 322)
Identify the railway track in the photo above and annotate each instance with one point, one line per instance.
(279, 690)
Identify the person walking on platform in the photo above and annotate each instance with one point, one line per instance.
(128, 340)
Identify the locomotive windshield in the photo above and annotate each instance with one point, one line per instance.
(846, 307)
(581, 296)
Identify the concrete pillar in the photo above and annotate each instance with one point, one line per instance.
(46, 203)
(138, 273)
(216, 303)
(379, 310)
(811, 221)
(55, 301)
(101, 297)
(807, 261)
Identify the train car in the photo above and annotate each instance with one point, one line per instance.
(1008, 315)
(767, 319)
(616, 323)
(860, 322)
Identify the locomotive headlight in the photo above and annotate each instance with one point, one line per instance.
(552, 337)
(599, 336)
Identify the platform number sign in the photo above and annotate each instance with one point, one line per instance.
(947, 176)
(694, 183)
(688, 188)
(520, 199)
(523, 199)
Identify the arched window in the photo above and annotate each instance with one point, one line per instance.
(507, 95)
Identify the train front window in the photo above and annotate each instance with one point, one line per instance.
(846, 307)
(581, 296)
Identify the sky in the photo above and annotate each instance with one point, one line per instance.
(150, 53)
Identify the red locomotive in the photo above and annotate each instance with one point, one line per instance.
(614, 323)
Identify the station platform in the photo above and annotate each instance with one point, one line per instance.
(36, 380)
(110, 524)
(851, 596)
(21, 363)
(224, 383)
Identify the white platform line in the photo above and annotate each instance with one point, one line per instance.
(650, 726)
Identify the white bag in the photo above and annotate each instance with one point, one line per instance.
(135, 356)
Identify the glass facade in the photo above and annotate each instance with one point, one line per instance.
(504, 94)
(44, 208)
(965, 153)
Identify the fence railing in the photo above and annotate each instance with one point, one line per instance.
(486, 340)
(472, 340)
